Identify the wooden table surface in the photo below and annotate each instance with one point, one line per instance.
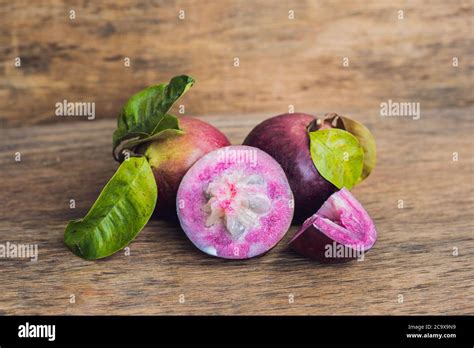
(412, 258)
(424, 56)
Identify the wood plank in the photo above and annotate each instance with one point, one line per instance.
(413, 256)
(282, 61)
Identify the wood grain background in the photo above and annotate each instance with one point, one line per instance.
(282, 62)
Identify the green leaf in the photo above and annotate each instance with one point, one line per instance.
(145, 114)
(337, 156)
(123, 208)
(173, 91)
(365, 137)
(168, 127)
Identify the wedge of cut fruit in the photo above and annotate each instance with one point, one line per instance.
(340, 231)
(235, 203)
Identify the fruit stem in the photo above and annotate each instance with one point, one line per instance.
(314, 125)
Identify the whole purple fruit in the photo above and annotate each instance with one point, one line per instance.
(285, 138)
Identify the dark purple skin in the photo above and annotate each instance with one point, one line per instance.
(285, 138)
(312, 244)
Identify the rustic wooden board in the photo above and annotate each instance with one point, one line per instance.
(282, 61)
(413, 256)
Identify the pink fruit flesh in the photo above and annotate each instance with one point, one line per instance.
(341, 222)
(235, 203)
